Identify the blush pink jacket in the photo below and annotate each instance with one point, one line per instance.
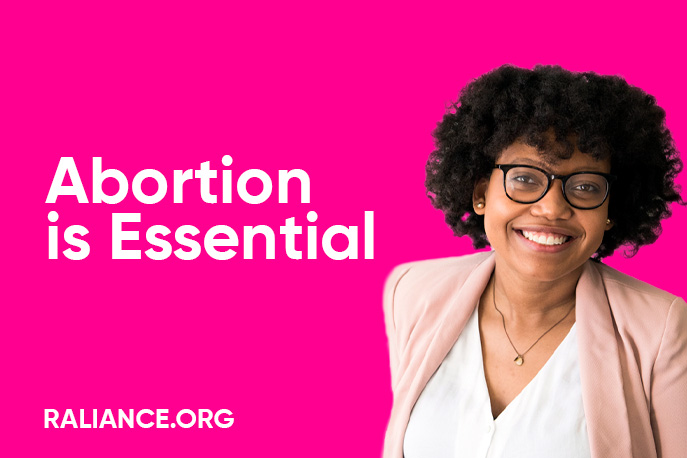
(632, 341)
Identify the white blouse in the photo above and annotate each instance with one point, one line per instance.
(452, 417)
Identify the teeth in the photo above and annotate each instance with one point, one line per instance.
(545, 239)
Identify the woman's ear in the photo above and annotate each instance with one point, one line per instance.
(479, 196)
(609, 224)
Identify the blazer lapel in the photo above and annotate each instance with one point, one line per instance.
(463, 303)
(600, 371)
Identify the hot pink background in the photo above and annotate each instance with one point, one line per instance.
(349, 92)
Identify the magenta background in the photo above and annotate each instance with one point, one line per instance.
(349, 92)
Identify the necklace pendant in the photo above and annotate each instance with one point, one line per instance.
(519, 360)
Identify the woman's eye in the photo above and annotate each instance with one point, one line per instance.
(524, 179)
(586, 188)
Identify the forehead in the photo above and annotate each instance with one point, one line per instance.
(522, 153)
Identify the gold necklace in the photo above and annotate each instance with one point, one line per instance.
(520, 359)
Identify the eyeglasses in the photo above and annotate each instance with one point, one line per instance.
(526, 184)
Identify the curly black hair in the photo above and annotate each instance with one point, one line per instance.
(555, 111)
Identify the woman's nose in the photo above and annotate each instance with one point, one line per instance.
(553, 205)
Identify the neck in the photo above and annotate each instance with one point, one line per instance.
(530, 301)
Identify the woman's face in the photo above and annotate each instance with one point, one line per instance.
(548, 239)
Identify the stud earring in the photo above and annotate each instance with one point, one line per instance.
(479, 205)
(608, 221)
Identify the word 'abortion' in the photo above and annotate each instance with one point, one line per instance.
(127, 234)
(204, 174)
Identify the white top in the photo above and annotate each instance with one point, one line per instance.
(452, 417)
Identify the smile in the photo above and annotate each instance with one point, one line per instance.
(545, 238)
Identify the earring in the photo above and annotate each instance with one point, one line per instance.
(479, 205)
(608, 221)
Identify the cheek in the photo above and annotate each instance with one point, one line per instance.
(499, 211)
(494, 193)
(596, 230)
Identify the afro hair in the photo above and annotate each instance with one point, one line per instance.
(556, 111)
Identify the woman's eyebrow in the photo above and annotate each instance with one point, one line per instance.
(551, 168)
(528, 161)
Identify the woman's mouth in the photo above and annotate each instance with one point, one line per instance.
(545, 238)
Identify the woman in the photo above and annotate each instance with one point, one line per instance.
(536, 349)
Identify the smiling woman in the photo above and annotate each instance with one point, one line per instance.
(536, 349)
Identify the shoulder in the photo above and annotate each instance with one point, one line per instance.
(433, 271)
(636, 293)
(422, 287)
(642, 311)
(455, 264)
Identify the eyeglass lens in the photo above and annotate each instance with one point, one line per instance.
(585, 190)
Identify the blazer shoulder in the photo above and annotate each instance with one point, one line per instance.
(413, 287)
(642, 312)
(623, 285)
(430, 270)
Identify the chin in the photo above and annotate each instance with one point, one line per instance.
(544, 267)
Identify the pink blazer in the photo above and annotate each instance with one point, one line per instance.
(632, 341)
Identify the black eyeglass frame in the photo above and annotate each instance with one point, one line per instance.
(550, 177)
